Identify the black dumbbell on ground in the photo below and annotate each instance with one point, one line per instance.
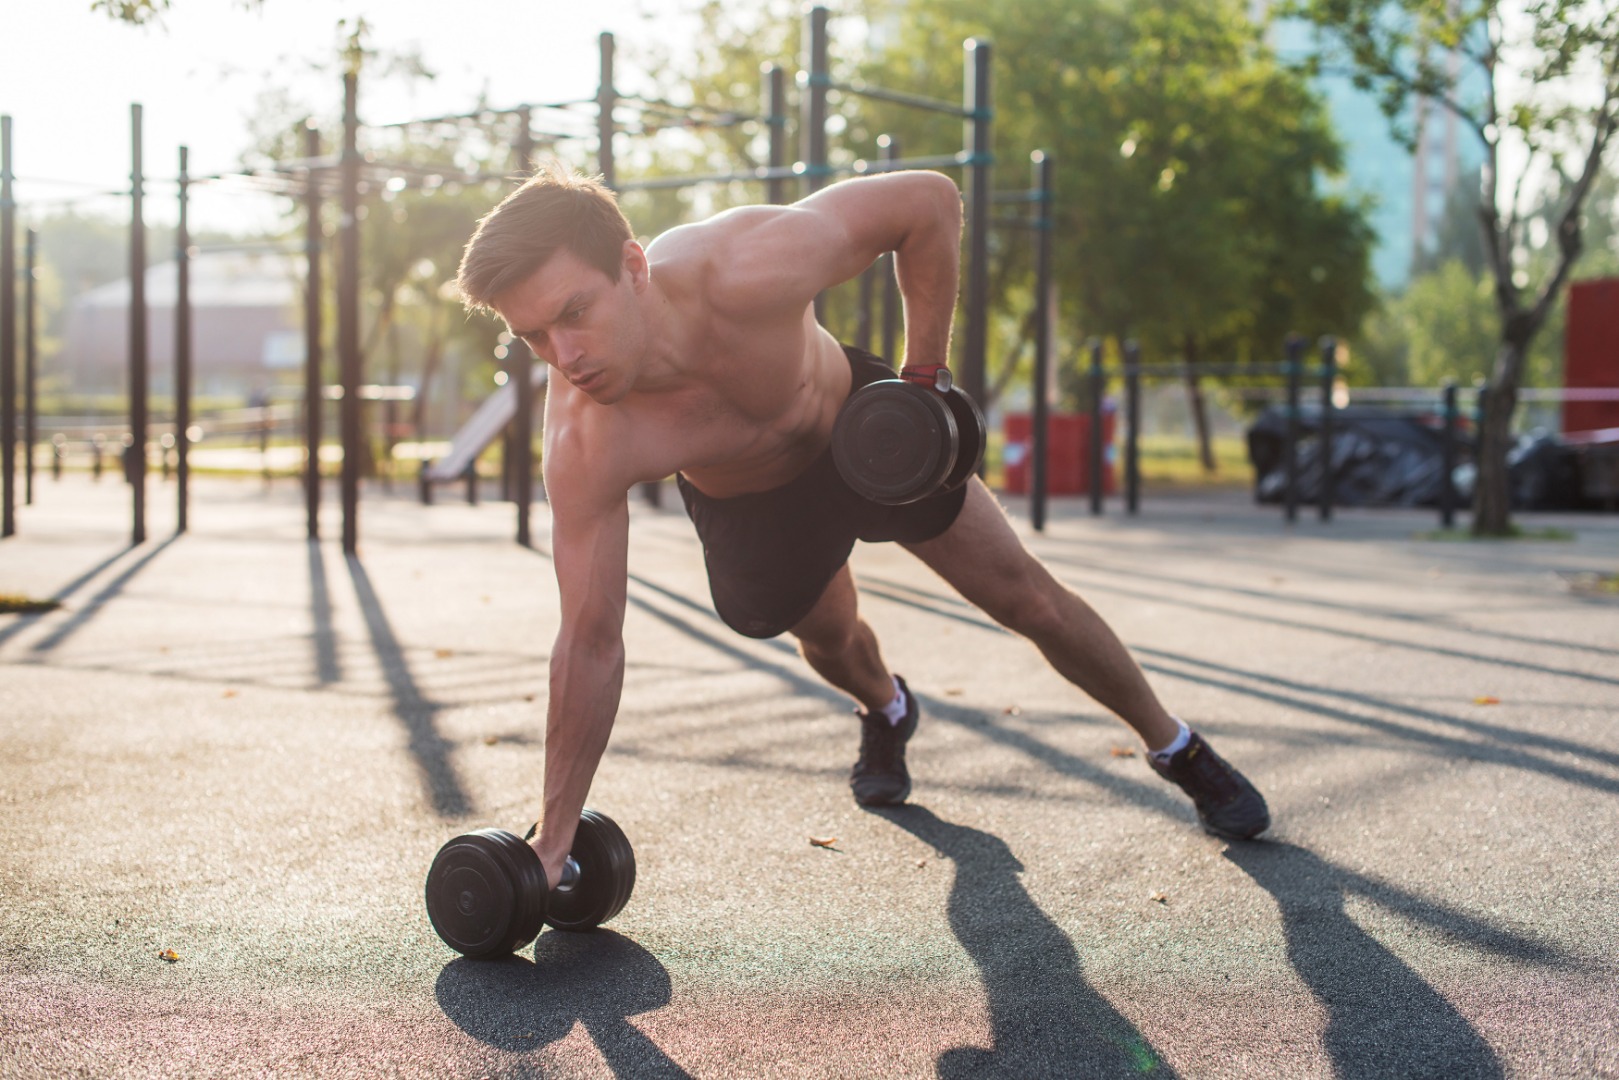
(899, 440)
(487, 895)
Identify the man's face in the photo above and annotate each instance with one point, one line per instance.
(583, 324)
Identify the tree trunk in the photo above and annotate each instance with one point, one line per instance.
(1199, 408)
(1492, 494)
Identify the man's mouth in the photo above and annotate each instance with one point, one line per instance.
(585, 382)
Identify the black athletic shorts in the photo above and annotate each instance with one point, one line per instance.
(771, 554)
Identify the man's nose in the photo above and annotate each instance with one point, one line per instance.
(567, 352)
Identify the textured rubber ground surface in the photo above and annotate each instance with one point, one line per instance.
(245, 748)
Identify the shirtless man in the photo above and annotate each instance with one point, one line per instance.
(700, 356)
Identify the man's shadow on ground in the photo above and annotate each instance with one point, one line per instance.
(1046, 1019)
(1383, 1019)
(599, 979)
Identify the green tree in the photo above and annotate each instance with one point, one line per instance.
(1189, 212)
(1566, 56)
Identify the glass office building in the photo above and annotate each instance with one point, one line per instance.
(1410, 188)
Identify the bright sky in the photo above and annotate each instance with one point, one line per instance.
(68, 77)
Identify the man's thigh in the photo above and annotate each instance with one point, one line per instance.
(980, 554)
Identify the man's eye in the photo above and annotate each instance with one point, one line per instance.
(574, 315)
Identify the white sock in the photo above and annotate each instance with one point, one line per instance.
(895, 710)
(1178, 743)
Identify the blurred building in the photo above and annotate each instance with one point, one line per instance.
(1411, 188)
(247, 326)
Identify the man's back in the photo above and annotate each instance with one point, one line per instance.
(752, 383)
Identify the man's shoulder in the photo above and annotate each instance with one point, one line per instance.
(732, 261)
(589, 461)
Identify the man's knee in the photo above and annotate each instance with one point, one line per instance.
(828, 637)
(1028, 601)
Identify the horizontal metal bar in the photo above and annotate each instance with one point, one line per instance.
(797, 170)
(559, 106)
(898, 97)
(864, 167)
(666, 183)
(1212, 371)
(372, 392)
(1007, 221)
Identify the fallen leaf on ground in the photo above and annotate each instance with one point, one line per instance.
(953, 691)
(528, 697)
(490, 740)
(1123, 751)
(1011, 710)
(1160, 898)
(1486, 699)
(443, 654)
(818, 842)
(168, 955)
(920, 863)
(229, 693)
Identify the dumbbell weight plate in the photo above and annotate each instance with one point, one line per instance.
(606, 876)
(970, 437)
(486, 893)
(894, 442)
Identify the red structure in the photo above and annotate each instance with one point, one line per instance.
(1591, 353)
(1067, 454)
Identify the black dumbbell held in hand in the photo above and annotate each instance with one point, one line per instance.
(899, 440)
(487, 895)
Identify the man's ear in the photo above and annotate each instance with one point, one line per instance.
(635, 266)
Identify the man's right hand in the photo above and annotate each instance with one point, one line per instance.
(553, 853)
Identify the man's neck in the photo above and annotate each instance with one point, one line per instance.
(669, 361)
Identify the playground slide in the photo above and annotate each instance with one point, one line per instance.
(480, 430)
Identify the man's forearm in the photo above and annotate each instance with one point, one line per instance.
(586, 683)
(928, 267)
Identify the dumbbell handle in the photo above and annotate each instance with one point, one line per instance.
(570, 876)
(934, 376)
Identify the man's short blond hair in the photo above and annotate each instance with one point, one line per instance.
(555, 209)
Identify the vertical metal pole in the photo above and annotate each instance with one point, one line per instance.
(888, 150)
(314, 348)
(8, 338)
(519, 361)
(1447, 461)
(1290, 452)
(1132, 419)
(606, 101)
(1098, 385)
(812, 115)
(775, 80)
(1040, 222)
(1329, 375)
(977, 99)
(137, 332)
(814, 82)
(30, 337)
(182, 349)
(348, 313)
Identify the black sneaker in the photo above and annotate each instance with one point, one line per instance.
(1227, 804)
(879, 777)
